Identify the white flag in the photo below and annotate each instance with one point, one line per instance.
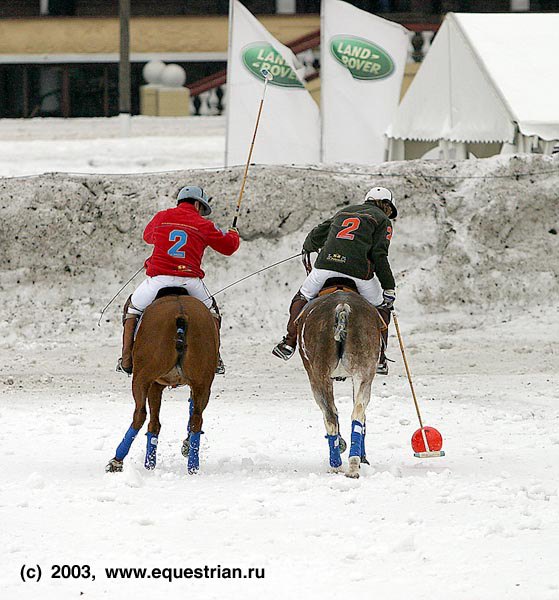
(362, 64)
(289, 129)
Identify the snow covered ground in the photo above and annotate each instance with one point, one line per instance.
(32, 146)
(483, 522)
(478, 311)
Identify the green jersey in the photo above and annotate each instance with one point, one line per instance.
(354, 242)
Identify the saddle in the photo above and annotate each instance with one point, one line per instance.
(171, 291)
(338, 284)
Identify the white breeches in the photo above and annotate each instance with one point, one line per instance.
(370, 289)
(147, 290)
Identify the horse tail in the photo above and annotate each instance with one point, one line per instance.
(341, 319)
(180, 340)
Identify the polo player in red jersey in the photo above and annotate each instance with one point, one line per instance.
(180, 236)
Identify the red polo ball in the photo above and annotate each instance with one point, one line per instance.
(434, 439)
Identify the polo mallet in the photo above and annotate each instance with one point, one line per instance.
(423, 433)
(267, 77)
(115, 296)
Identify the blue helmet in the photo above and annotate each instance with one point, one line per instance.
(194, 192)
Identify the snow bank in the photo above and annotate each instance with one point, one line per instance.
(475, 233)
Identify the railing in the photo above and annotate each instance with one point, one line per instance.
(208, 96)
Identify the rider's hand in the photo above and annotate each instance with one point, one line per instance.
(388, 299)
(306, 260)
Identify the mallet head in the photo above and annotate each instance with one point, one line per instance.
(427, 443)
(266, 74)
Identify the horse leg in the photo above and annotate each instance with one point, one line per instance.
(186, 442)
(323, 392)
(154, 426)
(363, 452)
(198, 402)
(139, 391)
(360, 401)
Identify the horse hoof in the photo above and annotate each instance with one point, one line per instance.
(353, 471)
(339, 469)
(114, 466)
(343, 445)
(193, 471)
(185, 447)
(364, 461)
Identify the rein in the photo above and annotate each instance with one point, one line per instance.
(256, 273)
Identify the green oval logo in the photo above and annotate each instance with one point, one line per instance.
(363, 59)
(262, 55)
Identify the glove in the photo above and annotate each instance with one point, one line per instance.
(388, 299)
(306, 260)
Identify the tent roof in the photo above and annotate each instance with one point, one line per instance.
(483, 74)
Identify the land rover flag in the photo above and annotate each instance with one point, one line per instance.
(362, 65)
(289, 129)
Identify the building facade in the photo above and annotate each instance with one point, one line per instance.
(60, 57)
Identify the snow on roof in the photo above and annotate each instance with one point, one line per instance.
(484, 74)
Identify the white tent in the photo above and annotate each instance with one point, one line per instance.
(489, 84)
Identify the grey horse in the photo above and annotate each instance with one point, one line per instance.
(339, 336)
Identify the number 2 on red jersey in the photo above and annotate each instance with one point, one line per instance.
(349, 225)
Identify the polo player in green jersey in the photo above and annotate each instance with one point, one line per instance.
(353, 244)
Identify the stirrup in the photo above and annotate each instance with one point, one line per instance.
(283, 350)
(121, 369)
(382, 368)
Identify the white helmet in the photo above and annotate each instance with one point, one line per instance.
(380, 193)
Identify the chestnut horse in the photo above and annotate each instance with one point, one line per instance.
(177, 343)
(339, 336)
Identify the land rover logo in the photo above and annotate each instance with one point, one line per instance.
(262, 55)
(363, 59)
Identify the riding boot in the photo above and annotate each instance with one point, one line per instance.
(220, 369)
(125, 363)
(286, 348)
(382, 366)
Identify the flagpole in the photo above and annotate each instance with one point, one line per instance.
(322, 94)
(228, 81)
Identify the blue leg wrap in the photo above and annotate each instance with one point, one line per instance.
(193, 452)
(356, 439)
(151, 451)
(124, 446)
(335, 456)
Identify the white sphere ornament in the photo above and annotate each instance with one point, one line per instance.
(173, 76)
(153, 70)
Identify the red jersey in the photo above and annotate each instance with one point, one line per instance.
(180, 236)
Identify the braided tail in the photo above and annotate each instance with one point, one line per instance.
(180, 340)
(342, 317)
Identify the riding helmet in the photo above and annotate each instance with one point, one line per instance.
(194, 192)
(380, 193)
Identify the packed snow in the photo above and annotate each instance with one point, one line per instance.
(475, 257)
